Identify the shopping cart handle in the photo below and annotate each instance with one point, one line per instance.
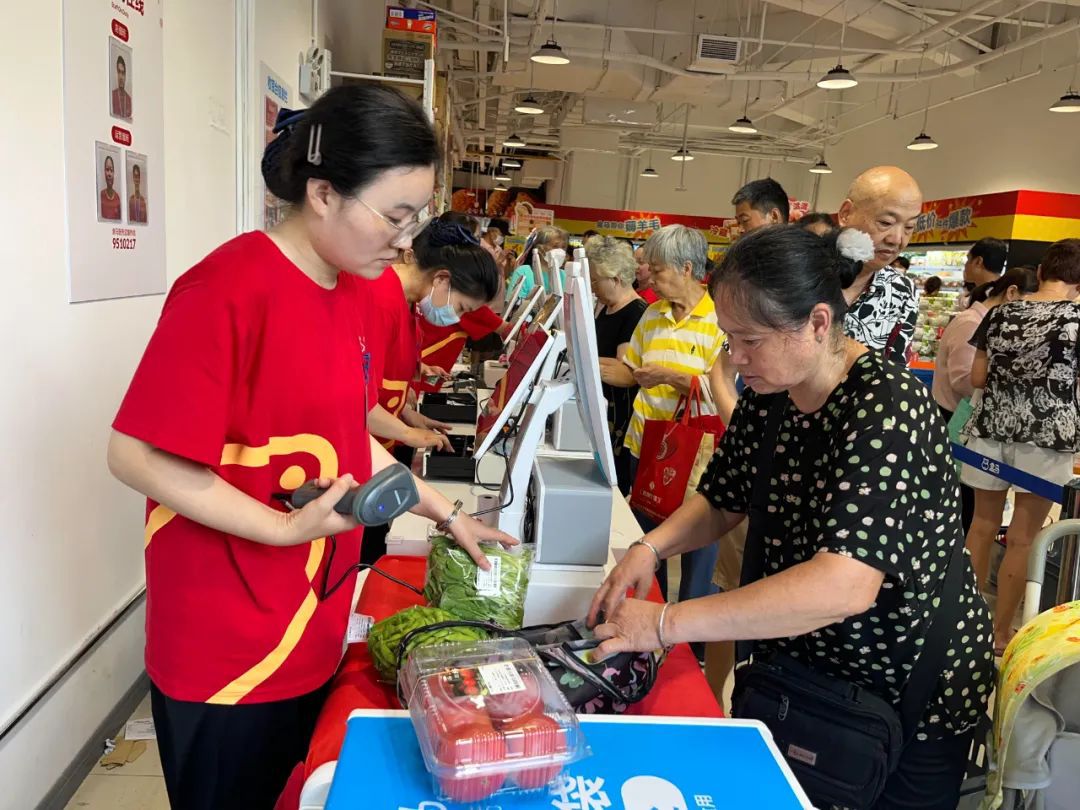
(1036, 572)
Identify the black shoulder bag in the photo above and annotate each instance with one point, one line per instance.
(841, 741)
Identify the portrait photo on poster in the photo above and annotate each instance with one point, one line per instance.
(110, 206)
(137, 212)
(120, 80)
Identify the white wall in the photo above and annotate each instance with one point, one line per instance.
(72, 536)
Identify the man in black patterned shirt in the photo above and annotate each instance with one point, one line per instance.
(884, 202)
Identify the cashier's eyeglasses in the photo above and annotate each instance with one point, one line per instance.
(406, 231)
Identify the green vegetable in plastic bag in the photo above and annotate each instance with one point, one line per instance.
(455, 583)
(386, 636)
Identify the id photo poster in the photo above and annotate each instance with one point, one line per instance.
(114, 145)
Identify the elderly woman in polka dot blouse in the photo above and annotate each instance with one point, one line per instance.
(863, 510)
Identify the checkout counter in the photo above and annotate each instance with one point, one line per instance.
(564, 576)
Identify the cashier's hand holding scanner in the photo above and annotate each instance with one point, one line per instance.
(200, 495)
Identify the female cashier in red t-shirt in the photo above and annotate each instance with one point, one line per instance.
(253, 382)
(445, 274)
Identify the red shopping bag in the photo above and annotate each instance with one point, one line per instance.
(673, 452)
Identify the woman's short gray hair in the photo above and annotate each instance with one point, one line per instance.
(549, 234)
(676, 245)
(611, 258)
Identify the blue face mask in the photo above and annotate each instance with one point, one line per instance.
(445, 315)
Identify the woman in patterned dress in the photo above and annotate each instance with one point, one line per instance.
(1027, 361)
(862, 510)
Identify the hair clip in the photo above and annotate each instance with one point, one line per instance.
(314, 155)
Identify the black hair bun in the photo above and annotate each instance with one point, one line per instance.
(442, 234)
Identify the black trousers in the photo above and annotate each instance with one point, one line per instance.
(929, 775)
(225, 757)
(967, 494)
(374, 542)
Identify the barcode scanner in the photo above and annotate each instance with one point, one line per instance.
(386, 495)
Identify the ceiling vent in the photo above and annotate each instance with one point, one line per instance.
(715, 54)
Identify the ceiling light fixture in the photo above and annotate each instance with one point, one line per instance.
(529, 106)
(650, 171)
(839, 78)
(821, 167)
(550, 53)
(511, 163)
(744, 126)
(1070, 102)
(501, 176)
(922, 142)
(684, 155)
(500, 187)
(514, 142)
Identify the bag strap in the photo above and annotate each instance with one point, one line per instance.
(754, 553)
(924, 677)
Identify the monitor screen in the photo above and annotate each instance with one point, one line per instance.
(546, 316)
(512, 299)
(517, 320)
(583, 353)
(511, 390)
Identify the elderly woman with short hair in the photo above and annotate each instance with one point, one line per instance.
(676, 340)
(611, 270)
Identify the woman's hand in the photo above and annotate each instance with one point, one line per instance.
(469, 533)
(651, 375)
(615, 372)
(635, 571)
(434, 371)
(633, 627)
(414, 418)
(317, 519)
(422, 439)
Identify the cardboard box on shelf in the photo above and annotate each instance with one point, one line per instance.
(404, 53)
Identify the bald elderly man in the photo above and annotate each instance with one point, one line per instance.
(883, 305)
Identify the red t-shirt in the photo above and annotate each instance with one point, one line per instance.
(441, 346)
(649, 295)
(258, 373)
(394, 342)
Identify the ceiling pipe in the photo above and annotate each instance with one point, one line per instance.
(840, 134)
(448, 13)
(948, 30)
(940, 12)
(521, 21)
(1027, 42)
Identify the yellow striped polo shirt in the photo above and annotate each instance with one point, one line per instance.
(690, 346)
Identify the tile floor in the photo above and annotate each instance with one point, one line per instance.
(137, 785)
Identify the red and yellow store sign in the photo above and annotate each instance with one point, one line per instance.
(639, 225)
(1036, 216)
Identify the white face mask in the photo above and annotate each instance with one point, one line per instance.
(498, 240)
(556, 257)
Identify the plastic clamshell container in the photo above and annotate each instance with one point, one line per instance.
(489, 719)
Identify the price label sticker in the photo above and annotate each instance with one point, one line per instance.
(489, 583)
(359, 627)
(501, 679)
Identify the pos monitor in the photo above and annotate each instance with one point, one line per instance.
(522, 313)
(583, 354)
